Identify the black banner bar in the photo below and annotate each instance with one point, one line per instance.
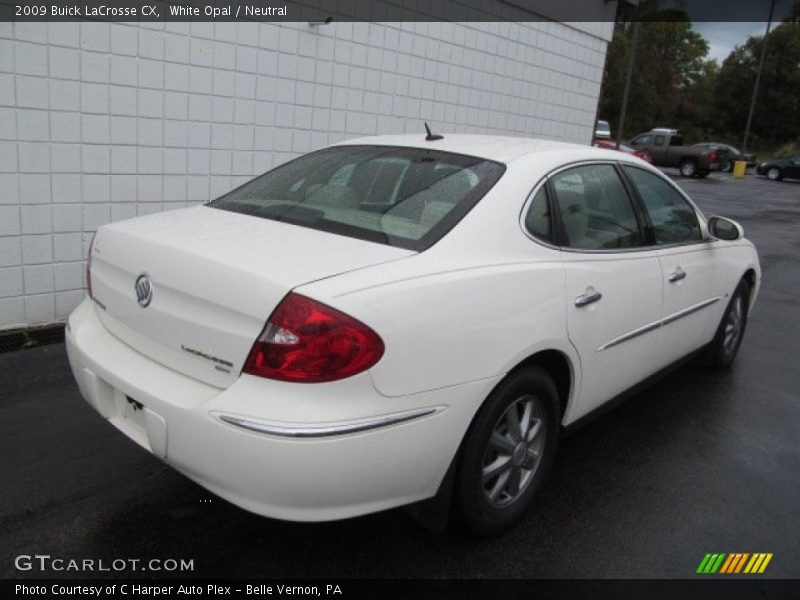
(731, 588)
(321, 11)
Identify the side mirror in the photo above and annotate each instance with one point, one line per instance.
(725, 229)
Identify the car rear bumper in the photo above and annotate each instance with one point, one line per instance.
(289, 451)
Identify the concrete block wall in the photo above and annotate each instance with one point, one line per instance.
(105, 121)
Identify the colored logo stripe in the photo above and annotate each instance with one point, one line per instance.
(727, 564)
(758, 563)
(734, 562)
(710, 563)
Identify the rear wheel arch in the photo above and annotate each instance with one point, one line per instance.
(556, 364)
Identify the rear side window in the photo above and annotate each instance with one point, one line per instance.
(595, 210)
(405, 197)
(673, 218)
(537, 221)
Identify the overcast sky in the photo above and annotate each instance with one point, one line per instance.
(722, 37)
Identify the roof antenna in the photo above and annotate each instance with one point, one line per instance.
(432, 137)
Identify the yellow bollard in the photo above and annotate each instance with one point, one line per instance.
(739, 169)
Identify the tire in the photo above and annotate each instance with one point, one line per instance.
(495, 457)
(724, 347)
(774, 174)
(703, 174)
(727, 166)
(688, 167)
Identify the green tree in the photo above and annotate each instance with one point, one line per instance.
(777, 115)
(672, 81)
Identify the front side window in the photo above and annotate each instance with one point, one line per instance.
(595, 210)
(405, 197)
(643, 140)
(673, 218)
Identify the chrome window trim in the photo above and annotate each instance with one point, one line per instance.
(523, 213)
(326, 431)
(543, 181)
(701, 218)
(707, 238)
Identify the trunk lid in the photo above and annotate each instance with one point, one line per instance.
(216, 276)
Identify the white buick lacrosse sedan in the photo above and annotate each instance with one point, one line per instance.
(402, 318)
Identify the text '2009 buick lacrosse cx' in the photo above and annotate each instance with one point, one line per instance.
(401, 318)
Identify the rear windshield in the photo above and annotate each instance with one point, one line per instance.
(405, 197)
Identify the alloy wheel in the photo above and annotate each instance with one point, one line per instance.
(514, 451)
(773, 174)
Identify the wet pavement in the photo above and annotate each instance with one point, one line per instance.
(701, 462)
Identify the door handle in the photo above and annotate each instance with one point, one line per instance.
(677, 275)
(589, 296)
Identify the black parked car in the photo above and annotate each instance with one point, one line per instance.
(730, 154)
(779, 168)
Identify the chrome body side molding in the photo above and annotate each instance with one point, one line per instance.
(661, 322)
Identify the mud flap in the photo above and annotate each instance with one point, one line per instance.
(434, 513)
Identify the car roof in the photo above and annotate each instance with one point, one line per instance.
(498, 148)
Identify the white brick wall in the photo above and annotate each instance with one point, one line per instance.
(100, 122)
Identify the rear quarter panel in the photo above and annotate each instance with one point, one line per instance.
(452, 327)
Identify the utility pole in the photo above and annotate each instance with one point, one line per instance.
(758, 77)
(629, 72)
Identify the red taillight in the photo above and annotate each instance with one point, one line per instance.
(712, 156)
(89, 268)
(309, 342)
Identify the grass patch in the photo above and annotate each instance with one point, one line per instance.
(787, 150)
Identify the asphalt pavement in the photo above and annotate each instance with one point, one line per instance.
(701, 462)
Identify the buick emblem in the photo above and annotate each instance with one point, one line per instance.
(144, 290)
